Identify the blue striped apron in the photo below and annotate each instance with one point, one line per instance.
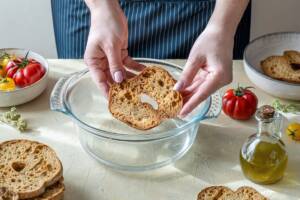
(157, 28)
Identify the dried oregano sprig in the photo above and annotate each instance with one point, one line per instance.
(14, 119)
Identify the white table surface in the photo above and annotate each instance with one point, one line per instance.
(212, 160)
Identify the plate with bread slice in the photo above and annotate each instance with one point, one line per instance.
(272, 63)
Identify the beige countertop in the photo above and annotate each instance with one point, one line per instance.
(212, 160)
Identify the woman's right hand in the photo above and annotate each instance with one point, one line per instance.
(106, 51)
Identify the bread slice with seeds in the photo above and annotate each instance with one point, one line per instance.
(28, 167)
(125, 99)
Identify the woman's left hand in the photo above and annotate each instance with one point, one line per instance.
(208, 67)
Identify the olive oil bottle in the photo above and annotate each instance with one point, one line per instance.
(263, 157)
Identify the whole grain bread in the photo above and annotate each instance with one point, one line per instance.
(28, 167)
(125, 99)
(286, 67)
(53, 192)
(224, 193)
(214, 193)
(293, 56)
(6, 194)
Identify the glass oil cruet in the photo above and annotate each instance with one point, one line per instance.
(263, 156)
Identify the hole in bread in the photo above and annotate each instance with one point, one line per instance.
(173, 103)
(147, 99)
(128, 96)
(161, 83)
(49, 167)
(18, 166)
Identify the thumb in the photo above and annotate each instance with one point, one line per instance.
(113, 55)
(190, 70)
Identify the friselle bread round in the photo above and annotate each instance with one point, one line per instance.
(224, 193)
(125, 98)
(286, 67)
(53, 192)
(28, 167)
(214, 193)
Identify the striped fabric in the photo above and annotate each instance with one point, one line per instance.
(157, 28)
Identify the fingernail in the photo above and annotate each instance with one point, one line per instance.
(178, 86)
(118, 76)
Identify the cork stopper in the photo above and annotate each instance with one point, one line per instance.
(266, 112)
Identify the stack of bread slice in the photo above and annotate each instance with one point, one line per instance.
(225, 193)
(30, 170)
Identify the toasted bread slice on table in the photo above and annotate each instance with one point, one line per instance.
(224, 193)
(214, 193)
(125, 99)
(53, 192)
(28, 167)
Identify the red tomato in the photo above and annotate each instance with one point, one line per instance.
(25, 71)
(240, 103)
(11, 68)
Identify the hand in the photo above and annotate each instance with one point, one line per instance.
(208, 68)
(106, 51)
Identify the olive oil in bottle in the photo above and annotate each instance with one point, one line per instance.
(263, 157)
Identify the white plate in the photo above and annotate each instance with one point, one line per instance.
(26, 94)
(263, 47)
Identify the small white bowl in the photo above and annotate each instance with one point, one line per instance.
(26, 94)
(263, 47)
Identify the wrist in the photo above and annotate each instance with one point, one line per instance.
(96, 5)
(219, 29)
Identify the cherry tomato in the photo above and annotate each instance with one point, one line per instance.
(293, 131)
(25, 71)
(240, 103)
(7, 84)
(11, 69)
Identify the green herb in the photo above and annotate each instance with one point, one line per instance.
(4, 55)
(14, 119)
(286, 108)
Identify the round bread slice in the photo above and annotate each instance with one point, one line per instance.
(53, 192)
(125, 99)
(279, 67)
(214, 193)
(248, 193)
(28, 167)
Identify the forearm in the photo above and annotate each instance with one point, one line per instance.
(227, 15)
(94, 5)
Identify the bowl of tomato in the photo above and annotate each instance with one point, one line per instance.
(23, 76)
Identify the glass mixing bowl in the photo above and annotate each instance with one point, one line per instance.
(114, 143)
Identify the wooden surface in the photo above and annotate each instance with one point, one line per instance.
(212, 160)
